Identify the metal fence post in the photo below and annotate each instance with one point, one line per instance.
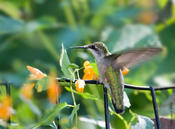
(106, 107)
(155, 108)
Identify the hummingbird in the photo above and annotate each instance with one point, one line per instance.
(110, 68)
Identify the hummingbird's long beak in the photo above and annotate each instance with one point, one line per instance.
(84, 47)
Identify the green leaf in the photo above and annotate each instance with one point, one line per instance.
(170, 91)
(42, 23)
(167, 36)
(41, 85)
(130, 117)
(162, 3)
(2, 127)
(32, 106)
(143, 123)
(65, 63)
(118, 120)
(137, 36)
(9, 26)
(50, 115)
(74, 66)
(85, 95)
(10, 9)
(75, 109)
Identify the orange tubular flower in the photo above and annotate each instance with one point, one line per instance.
(86, 64)
(87, 77)
(54, 89)
(89, 73)
(27, 91)
(79, 84)
(125, 71)
(35, 74)
(88, 70)
(5, 108)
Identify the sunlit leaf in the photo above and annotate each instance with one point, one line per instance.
(64, 63)
(170, 91)
(162, 3)
(130, 117)
(74, 66)
(10, 9)
(41, 85)
(137, 36)
(118, 120)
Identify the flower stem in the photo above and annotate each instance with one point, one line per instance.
(73, 97)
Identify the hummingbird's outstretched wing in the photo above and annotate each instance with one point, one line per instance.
(114, 76)
(132, 57)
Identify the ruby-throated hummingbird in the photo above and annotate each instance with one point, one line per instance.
(110, 67)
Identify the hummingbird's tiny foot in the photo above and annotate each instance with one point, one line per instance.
(100, 81)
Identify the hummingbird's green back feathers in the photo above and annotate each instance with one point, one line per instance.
(115, 81)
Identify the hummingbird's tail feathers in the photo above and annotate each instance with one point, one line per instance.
(119, 111)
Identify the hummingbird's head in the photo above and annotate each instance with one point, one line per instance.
(98, 49)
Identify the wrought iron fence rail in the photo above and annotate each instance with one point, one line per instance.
(128, 86)
(134, 87)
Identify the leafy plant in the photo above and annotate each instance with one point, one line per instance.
(39, 33)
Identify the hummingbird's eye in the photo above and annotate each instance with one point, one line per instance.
(94, 47)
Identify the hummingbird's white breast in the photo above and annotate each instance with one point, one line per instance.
(102, 64)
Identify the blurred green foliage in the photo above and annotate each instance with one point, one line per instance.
(32, 31)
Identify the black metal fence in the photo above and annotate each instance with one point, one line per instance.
(128, 86)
